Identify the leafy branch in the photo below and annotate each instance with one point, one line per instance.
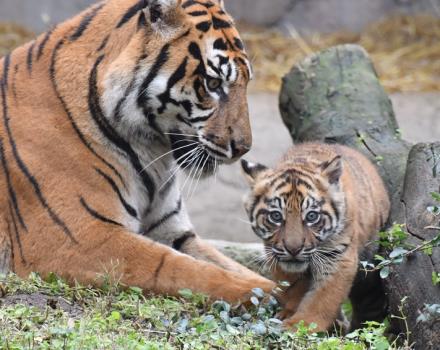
(397, 256)
(394, 240)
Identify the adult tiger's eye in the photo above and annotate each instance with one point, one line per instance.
(275, 217)
(312, 217)
(214, 84)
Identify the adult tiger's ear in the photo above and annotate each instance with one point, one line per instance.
(161, 14)
(332, 170)
(251, 170)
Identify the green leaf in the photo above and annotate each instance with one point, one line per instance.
(436, 196)
(435, 278)
(255, 301)
(382, 344)
(284, 284)
(398, 251)
(186, 293)
(259, 328)
(258, 292)
(224, 316)
(136, 290)
(232, 330)
(221, 305)
(384, 272)
(115, 316)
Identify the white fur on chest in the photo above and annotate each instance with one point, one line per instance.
(165, 218)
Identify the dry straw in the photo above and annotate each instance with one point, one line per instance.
(11, 36)
(404, 49)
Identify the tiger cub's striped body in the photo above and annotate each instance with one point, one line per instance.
(315, 212)
(95, 114)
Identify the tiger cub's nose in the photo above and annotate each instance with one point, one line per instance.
(293, 251)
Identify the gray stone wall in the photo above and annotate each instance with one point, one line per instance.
(38, 15)
(326, 16)
(304, 15)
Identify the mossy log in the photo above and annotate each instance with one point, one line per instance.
(413, 278)
(335, 97)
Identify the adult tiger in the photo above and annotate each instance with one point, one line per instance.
(87, 108)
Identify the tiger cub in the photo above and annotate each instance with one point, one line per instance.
(315, 212)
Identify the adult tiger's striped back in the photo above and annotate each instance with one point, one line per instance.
(95, 114)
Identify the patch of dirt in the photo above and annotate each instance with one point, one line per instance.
(42, 301)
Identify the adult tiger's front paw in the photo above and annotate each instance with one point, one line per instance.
(241, 291)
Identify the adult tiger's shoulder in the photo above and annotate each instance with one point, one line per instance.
(315, 212)
(97, 115)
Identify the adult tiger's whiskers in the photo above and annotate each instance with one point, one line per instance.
(198, 174)
(176, 134)
(191, 163)
(165, 154)
(177, 167)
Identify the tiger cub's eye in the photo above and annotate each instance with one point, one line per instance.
(275, 217)
(214, 83)
(312, 217)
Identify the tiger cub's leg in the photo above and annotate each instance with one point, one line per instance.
(292, 297)
(322, 302)
(137, 261)
(200, 249)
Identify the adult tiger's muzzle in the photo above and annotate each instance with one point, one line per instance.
(228, 133)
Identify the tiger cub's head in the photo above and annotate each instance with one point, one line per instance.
(187, 82)
(296, 209)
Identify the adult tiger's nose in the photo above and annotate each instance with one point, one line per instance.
(240, 148)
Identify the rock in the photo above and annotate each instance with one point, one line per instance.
(247, 254)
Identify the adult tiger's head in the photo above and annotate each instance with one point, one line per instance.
(296, 208)
(183, 78)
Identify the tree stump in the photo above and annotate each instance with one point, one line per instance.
(335, 97)
(412, 279)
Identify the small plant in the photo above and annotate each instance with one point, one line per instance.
(429, 312)
(394, 242)
(402, 317)
(373, 335)
(435, 278)
(435, 209)
(79, 317)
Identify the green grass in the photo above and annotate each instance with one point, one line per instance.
(37, 314)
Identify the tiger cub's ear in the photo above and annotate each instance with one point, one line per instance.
(332, 170)
(251, 170)
(161, 14)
